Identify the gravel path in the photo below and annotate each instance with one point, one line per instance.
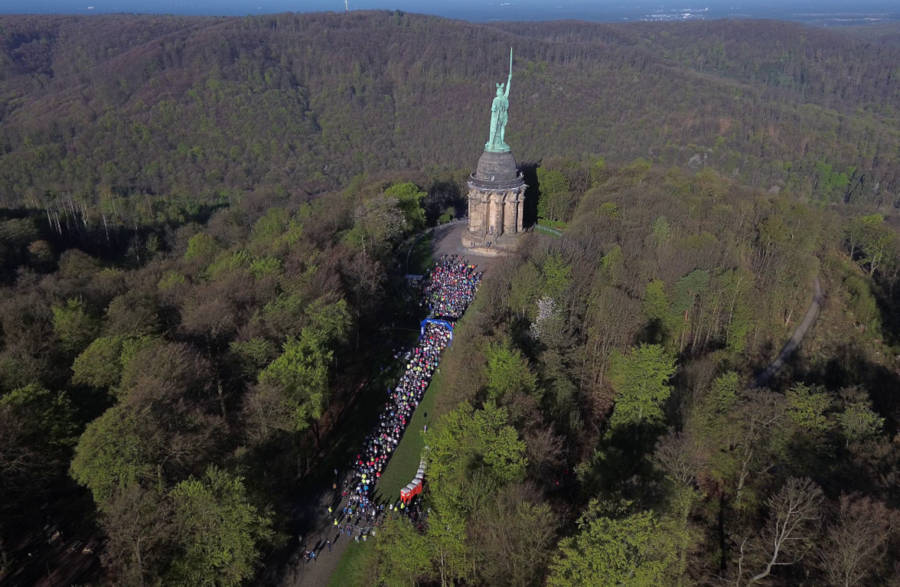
(808, 320)
(316, 573)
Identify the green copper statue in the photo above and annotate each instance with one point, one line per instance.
(499, 115)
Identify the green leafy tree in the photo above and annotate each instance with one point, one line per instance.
(218, 530)
(555, 198)
(831, 184)
(599, 172)
(170, 280)
(132, 345)
(687, 292)
(269, 227)
(609, 210)
(294, 388)
(741, 318)
(300, 374)
(72, 324)
(637, 170)
(709, 425)
(507, 372)
(657, 311)
(471, 454)
(858, 421)
(99, 365)
(688, 288)
(661, 231)
(201, 247)
(640, 379)
(47, 414)
(285, 313)
(873, 238)
(265, 266)
(18, 231)
(112, 455)
(612, 265)
(328, 322)
(862, 303)
(723, 395)
(556, 275)
(409, 200)
(403, 554)
(524, 289)
(808, 420)
(632, 550)
(252, 355)
(449, 544)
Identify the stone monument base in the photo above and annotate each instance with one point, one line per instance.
(496, 205)
(505, 244)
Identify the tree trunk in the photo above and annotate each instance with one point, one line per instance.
(105, 226)
(221, 398)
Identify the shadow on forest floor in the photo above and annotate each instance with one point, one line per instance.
(847, 367)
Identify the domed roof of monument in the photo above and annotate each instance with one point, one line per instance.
(496, 168)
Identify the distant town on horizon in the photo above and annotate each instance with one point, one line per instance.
(826, 13)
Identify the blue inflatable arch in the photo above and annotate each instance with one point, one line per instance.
(444, 323)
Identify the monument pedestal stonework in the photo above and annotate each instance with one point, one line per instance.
(496, 204)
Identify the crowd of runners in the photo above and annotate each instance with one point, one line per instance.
(451, 286)
(420, 363)
(448, 289)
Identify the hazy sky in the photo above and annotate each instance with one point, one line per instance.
(616, 10)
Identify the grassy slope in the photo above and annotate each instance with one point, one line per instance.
(354, 566)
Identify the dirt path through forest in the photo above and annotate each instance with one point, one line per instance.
(799, 333)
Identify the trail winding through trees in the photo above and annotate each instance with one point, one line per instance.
(796, 338)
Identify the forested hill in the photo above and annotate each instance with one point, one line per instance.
(205, 225)
(193, 111)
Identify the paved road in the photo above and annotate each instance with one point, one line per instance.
(316, 573)
(808, 320)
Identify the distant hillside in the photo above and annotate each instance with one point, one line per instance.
(197, 110)
(887, 33)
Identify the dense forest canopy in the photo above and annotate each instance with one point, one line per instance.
(199, 109)
(205, 229)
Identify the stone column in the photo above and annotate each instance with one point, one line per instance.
(497, 214)
(516, 214)
(476, 211)
(509, 213)
(520, 212)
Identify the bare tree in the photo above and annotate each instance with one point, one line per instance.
(680, 456)
(138, 525)
(760, 414)
(786, 537)
(856, 543)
